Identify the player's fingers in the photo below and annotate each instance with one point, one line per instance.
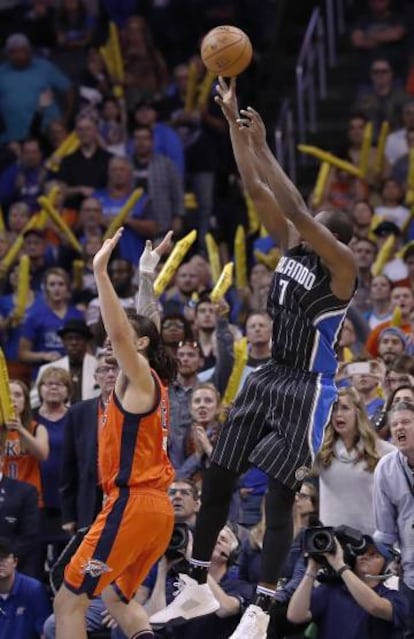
(219, 90)
(233, 84)
(165, 243)
(222, 83)
(244, 122)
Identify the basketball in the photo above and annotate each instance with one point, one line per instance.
(226, 51)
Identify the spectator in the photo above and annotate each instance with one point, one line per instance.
(402, 393)
(204, 407)
(40, 341)
(73, 25)
(383, 99)
(393, 500)
(391, 343)
(367, 378)
(158, 176)
(362, 214)
(380, 296)
(54, 388)
(356, 128)
(396, 145)
(185, 499)
(204, 325)
(78, 362)
(145, 68)
(166, 140)
(357, 605)
(401, 166)
(346, 464)
(408, 257)
(41, 256)
(252, 487)
(38, 25)
(25, 604)
(112, 125)
(364, 251)
(175, 329)
(380, 33)
(190, 360)
(400, 372)
(19, 519)
(26, 442)
(11, 328)
(180, 297)
(401, 296)
(24, 180)
(141, 223)
(81, 493)
(91, 222)
(259, 334)
(121, 274)
(391, 208)
(19, 215)
(27, 83)
(86, 169)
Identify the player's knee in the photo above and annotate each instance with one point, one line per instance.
(67, 603)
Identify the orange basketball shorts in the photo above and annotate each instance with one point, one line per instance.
(129, 535)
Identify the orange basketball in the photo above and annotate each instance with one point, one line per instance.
(226, 51)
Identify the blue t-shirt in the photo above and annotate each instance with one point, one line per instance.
(41, 327)
(50, 469)
(131, 244)
(11, 337)
(19, 96)
(336, 613)
(24, 612)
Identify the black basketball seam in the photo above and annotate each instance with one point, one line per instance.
(233, 62)
(223, 48)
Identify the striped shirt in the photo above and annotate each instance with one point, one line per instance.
(307, 316)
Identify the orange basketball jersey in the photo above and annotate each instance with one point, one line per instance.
(132, 448)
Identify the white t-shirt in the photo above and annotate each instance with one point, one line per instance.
(396, 145)
(397, 214)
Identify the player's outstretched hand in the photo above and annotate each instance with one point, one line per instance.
(251, 122)
(150, 257)
(102, 257)
(226, 98)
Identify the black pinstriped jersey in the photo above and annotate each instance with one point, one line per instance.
(307, 316)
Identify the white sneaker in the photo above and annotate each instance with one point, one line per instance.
(253, 624)
(193, 600)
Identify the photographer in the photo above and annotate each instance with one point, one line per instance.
(356, 605)
(233, 594)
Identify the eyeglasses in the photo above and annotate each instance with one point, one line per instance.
(303, 496)
(106, 369)
(173, 324)
(186, 342)
(50, 384)
(185, 492)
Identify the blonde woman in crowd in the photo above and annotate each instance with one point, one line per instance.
(346, 464)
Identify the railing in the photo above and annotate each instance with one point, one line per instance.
(285, 140)
(310, 75)
(317, 53)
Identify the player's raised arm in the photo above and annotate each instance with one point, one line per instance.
(267, 207)
(146, 302)
(328, 233)
(120, 332)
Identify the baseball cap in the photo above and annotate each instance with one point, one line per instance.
(386, 228)
(6, 547)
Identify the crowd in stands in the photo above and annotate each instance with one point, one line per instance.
(159, 131)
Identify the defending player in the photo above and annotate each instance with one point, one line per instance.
(278, 420)
(134, 527)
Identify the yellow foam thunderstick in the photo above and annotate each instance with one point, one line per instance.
(240, 360)
(22, 288)
(173, 262)
(333, 160)
(240, 257)
(223, 283)
(213, 256)
(46, 205)
(5, 398)
(119, 219)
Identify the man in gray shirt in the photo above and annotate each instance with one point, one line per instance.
(394, 500)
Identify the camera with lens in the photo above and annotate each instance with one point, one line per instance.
(319, 540)
(178, 543)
